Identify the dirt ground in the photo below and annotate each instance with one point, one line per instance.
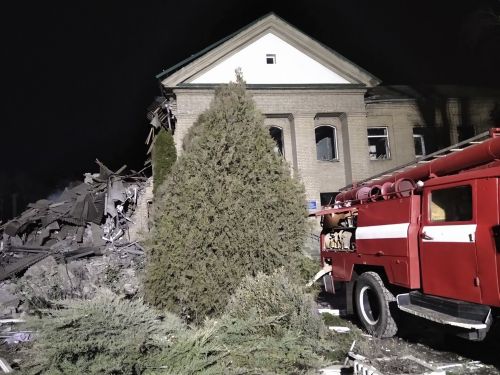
(428, 342)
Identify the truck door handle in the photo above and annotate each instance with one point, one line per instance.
(425, 236)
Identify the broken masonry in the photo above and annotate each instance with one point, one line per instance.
(84, 220)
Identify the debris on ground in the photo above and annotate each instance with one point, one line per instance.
(85, 220)
(334, 312)
(339, 329)
(422, 348)
(393, 365)
(5, 366)
(87, 238)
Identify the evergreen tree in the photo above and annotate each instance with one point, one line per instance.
(229, 209)
(164, 156)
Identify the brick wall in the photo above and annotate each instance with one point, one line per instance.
(298, 112)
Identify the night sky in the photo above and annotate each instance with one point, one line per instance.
(77, 77)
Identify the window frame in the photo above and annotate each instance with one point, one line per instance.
(270, 57)
(428, 204)
(335, 143)
(422, 142)
(387, 145)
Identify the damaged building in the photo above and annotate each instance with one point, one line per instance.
(104, 213)
(333, 121)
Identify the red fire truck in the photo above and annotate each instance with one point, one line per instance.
(423, 238)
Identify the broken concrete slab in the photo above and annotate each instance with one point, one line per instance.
(94, 213)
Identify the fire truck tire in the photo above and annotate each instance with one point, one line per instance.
(372, 301)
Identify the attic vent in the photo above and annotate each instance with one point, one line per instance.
(270, 59)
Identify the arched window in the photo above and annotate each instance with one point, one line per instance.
(326, 142)
(276, 134)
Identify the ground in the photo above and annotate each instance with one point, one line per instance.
(427, 342)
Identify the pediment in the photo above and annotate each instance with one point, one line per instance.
(270, 51)
(269, 60)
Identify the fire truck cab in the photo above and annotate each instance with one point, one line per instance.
(424, 239)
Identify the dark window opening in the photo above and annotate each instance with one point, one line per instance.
(277, 135)
(270, 59)
(328, 198)
(326, 143)
(453, 204)
(429, 139)
(418, 141)
(378, 143)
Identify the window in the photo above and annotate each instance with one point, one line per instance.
(277, 135)
(418, 140)
(270, 59)
(326, 142)
(378, 143)
(452, 204)
(327, 198)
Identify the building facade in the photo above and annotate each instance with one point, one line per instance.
(331, 119)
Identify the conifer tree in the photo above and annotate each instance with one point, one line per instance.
(230, 208)
(164, 156)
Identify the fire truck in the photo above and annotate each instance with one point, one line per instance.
(423, 238)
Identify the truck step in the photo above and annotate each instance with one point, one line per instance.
(445, 311)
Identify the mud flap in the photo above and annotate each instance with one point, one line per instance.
(349, 290)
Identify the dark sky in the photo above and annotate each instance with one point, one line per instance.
(77, 77)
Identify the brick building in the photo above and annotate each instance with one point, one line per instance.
(332, 120)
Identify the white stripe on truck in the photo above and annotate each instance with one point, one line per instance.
(382, 231)
(450, 233)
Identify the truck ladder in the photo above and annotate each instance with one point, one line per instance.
(480, 138)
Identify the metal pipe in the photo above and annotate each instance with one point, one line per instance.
(474, 156)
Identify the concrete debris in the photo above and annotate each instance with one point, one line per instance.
(334, 312)
(407, 364)
(161, 114)
(88, 219)
(339, 329)
(17, 337)
(333, 370)
(5, 366)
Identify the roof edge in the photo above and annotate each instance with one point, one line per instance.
(278, 86)
(346, 67)
(212, 46)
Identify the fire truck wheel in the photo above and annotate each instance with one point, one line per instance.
(372, 301)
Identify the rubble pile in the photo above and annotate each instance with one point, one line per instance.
(91, 218)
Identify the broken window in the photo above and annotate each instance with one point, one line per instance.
(326, 142)
(328, 198)
(270, 59)
(378, 143)
(419, 142)
(276, 134)
(452, 204)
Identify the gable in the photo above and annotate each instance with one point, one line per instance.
(290, 66)
(299, 60)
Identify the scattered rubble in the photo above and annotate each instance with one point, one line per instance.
(87, 238)
(83, 221)
(339, 329)
(420, 349)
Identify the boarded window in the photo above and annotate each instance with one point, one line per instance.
(378, 143)
(452, 204)
(326, 143)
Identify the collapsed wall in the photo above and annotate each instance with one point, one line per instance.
(91, 218)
